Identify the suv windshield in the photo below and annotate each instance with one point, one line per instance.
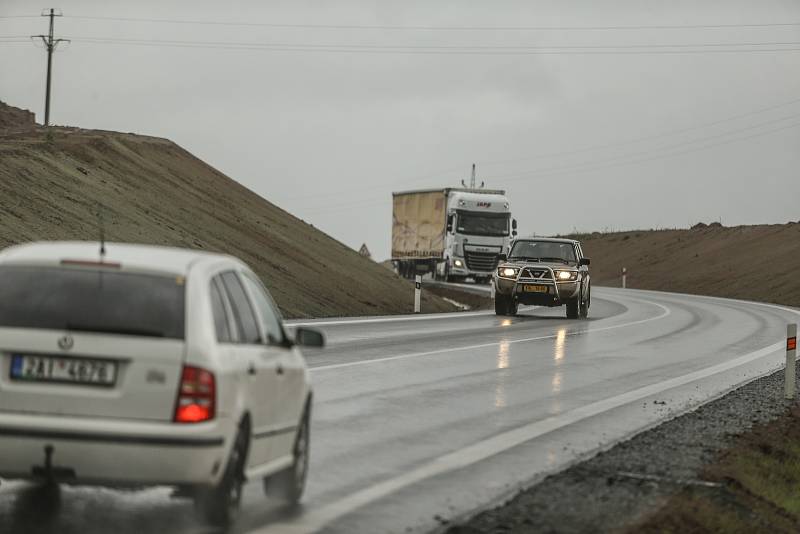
(543, 251)
(489, 224)
(89, 300)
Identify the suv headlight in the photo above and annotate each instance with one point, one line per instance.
(565, 276)
(507, 272)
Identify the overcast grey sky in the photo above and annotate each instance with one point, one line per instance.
(321, 115)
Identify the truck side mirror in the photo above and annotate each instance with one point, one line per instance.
(450, 220)
(513, 224)
(584, 261)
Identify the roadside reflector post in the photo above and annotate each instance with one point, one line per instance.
(417, 292)
(791, 359)
(624, 277)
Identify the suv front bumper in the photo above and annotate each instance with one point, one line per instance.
(557, 293)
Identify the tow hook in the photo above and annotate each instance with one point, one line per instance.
(50, 472)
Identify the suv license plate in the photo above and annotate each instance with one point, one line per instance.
(535, 289)
(87, 371)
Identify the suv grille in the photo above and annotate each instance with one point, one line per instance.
(481, 261)
(536, 273)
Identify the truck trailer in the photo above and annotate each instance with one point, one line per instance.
(451, 233)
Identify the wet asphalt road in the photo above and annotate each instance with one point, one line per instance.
(419, 420)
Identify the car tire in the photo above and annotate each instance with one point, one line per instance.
(583, 310)
(219, 505)
(288, 485)
(572, 308)
(501, 304)
(505, 305)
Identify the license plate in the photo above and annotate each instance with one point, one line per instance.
(88, 371)
(535, 289)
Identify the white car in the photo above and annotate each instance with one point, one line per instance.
(133, 365)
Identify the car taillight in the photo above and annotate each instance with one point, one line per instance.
(196, 396)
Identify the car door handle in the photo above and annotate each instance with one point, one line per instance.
(251, 370)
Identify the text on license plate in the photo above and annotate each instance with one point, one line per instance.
(63, 370)
(535, 289)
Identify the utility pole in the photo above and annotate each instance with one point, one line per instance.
(50, 44)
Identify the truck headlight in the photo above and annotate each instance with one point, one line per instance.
(507, 272)
(458, 263)
(567, 275)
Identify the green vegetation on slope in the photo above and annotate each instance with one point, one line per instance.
(759, 477)
(153, 191)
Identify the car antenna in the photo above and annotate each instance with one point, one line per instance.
(101, 227)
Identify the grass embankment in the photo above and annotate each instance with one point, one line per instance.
(747, 262)
(153, 191)
(759, 487)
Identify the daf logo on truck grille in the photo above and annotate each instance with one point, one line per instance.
(65, 342)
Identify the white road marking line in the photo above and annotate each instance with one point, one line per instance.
(665, 311)
(317, 519)
(391, 319)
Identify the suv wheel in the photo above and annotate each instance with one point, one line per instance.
(500, 304)
(288, 485)
(583, 310)
(219, 505)
(572, 308)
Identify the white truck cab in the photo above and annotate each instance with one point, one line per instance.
(479, 229)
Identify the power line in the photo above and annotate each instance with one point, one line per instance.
(440, 28)
(681, 48)
(660, 135)
(609, 164)
(624, 160)
(564, 153)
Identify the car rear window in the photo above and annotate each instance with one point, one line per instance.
(92, 300)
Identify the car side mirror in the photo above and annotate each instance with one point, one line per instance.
(308, 337)
(502, 257)
(584, 261)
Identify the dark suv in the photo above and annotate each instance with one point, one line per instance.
(545, 272)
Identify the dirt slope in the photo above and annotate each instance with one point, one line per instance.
(748, 262)
(153, 191)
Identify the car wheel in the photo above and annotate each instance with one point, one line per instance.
(501, 304)
(288, 485)
(513, 305)
(572, 308)
(584, 305)
(219, 505)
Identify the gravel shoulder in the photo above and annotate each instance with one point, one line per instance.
(619, 489)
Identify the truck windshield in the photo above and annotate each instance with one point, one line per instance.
(90, 300)
(488, 224)
(543, 251)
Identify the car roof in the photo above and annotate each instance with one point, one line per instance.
(170, 260)
(552, 239)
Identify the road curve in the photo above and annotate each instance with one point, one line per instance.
(422, 419)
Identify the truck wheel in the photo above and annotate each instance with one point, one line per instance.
(572, 308)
